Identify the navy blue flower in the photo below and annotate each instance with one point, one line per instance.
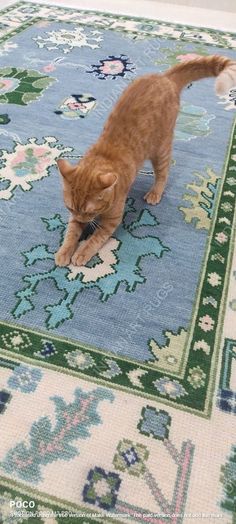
(48, 349)
(112, 67)
(102, 488)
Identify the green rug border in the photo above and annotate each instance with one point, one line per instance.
(205, 397)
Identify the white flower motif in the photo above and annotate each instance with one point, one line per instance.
(231, 181)
(68, 39)
(78, 359)
(206, 323)
(196, 377)
(227, 207)
(214, 279)
(202, 345)
(15, 340)
(221, 237)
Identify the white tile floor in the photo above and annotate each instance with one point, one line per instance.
(153, 9)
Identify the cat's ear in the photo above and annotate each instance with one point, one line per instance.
(107, 181)
(66, 169)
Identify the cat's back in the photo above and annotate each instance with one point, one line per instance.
(148, 91)
(143, 116)
(146, 98)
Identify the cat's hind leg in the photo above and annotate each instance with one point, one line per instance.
(161, 163)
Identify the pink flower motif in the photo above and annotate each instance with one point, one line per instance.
(40, 151)
(112, 67)
(206, 323)
(48, 68)
(20, 157)
(75, 105)
(188, 56)
(221, 237)
(8, 84)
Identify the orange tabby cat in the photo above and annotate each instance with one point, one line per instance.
(140, 127)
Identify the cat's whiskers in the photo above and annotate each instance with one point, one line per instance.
(95, 224)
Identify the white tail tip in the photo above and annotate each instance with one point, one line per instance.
(226, 80)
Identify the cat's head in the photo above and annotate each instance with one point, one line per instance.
(88, 188)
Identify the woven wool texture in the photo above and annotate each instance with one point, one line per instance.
(118, 379)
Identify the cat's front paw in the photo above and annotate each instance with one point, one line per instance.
(80, 258)
(63, 257)
(152, 197)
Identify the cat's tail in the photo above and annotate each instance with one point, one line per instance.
(203, 66)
